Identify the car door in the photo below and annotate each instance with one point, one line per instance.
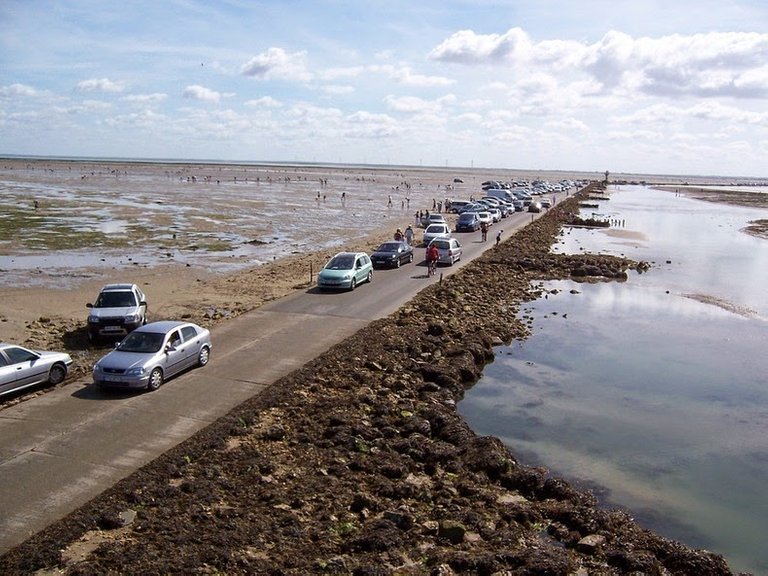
(26, 367)
(360, 272)
(190, 346)
(7, 374)
(174, 353)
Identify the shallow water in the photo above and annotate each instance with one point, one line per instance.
(653, 391)
(220, 218)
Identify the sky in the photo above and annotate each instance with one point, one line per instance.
(640, 86)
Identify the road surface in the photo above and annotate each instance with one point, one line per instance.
(61, 449)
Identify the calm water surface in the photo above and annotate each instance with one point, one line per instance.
(654, 391)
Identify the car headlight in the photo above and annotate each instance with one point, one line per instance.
(348, 275)
(139, 371)
(132, 318)
(96, 367)
(93, 319)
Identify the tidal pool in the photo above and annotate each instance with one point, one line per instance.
(652, 392)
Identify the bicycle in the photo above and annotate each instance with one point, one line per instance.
(431, 267)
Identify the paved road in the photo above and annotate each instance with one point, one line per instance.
(59, 450)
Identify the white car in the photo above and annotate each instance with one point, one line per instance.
(485, 216)
(435, 219)
(449, 250)
(546, 202)
(495, 214)
(118, 309)
(435, 231)
(21, 368)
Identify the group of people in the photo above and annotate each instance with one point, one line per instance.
(406, 236)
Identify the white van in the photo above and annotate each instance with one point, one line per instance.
(500, 193)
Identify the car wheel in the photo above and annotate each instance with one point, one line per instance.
(155, 379)
(370, 277)
(204, 356)
(57, 374)
(353, 283)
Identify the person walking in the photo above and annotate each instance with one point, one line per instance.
(498, 237)
(409, 235)
(484, 230)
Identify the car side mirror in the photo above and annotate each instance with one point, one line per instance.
(89, 305)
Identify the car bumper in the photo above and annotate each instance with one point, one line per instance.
(112, 330)
(116, 381)
(388, 263)
(333, 285)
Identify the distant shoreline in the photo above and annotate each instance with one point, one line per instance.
(617, 178)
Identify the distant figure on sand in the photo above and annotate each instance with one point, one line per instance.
(409, 235)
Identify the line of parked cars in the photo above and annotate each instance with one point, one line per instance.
(146, 355)
(149, 353)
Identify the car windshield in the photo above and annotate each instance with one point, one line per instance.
(115, 300)
(441, 244)
(341, 262)
(388, 247)
(142, 342)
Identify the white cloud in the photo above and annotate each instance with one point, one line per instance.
(409, 78)
(367, 125)
(337, 90)
(196, 92)
(264, 102)
(415, 105)
(100, 85)
(276, 63)
(713, 64)
(467, 47)
(145, 98)
(17, 90)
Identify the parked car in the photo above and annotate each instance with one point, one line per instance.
(433, 219)
(534, 207)
(434, 230)
(458, 205)
(21, 368)
(392, 254)
(495, 214)
(485, 216)
(467, 222)
(345, 271)
(118, 309)
(153, 353)
(449, 250)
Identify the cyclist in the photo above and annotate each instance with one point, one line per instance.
(432, 256)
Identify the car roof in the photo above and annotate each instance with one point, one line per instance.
(162, 326)
(121, 286)
(355, 254)
(4, 345)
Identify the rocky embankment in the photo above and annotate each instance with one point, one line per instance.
(360, 464)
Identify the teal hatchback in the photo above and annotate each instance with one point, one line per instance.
(345, 271)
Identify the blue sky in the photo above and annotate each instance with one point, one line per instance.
(641, 86)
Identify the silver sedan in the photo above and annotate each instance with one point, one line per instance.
(153, 353)
(21, 368)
